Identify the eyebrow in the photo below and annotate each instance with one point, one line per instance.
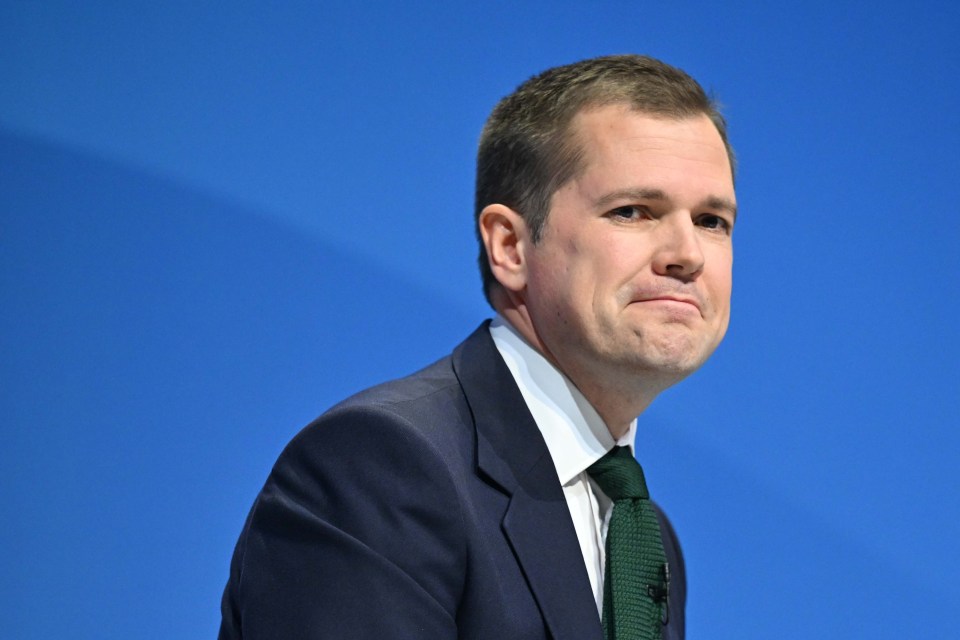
(631, 194)
(716, 203)
(721, 204)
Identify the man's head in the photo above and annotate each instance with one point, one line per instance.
(615, 259)
(527, 150)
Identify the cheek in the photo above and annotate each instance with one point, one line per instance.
(720, 276)
(618, 267)
(547, 285)
(720, 299)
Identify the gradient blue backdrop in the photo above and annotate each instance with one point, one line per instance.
(217, 219)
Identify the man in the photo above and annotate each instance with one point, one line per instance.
(465, 501)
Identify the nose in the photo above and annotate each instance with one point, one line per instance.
(679, 254)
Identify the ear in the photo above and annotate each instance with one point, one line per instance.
(504, 234)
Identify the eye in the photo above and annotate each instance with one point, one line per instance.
(629, 212)
(714, 223)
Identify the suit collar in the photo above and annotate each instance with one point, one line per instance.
(512, 455)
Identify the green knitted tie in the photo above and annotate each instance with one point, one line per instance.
(636, 577)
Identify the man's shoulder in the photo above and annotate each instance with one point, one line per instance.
(428, 391)
(427, 404)
(381, 484)
(405, 394)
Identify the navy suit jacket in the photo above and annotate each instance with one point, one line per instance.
(427, 507)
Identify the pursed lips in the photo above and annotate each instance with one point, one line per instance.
(672, 298)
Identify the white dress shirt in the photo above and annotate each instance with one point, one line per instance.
(576, 437)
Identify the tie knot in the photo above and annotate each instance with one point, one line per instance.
(619, 475)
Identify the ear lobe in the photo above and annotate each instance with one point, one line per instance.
(504, 234)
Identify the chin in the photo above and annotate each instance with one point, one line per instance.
(674, 358)
(675, 369)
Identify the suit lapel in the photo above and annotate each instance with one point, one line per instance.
(512, 455)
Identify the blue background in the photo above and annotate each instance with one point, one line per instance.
(218, 219)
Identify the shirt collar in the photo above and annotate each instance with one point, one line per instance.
(575, 434)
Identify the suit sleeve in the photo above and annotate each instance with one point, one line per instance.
(357, 533)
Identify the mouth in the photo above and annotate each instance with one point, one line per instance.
(676, 303)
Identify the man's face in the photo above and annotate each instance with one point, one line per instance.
(632, 273)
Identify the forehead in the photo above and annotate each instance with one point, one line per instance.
(619, 143)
